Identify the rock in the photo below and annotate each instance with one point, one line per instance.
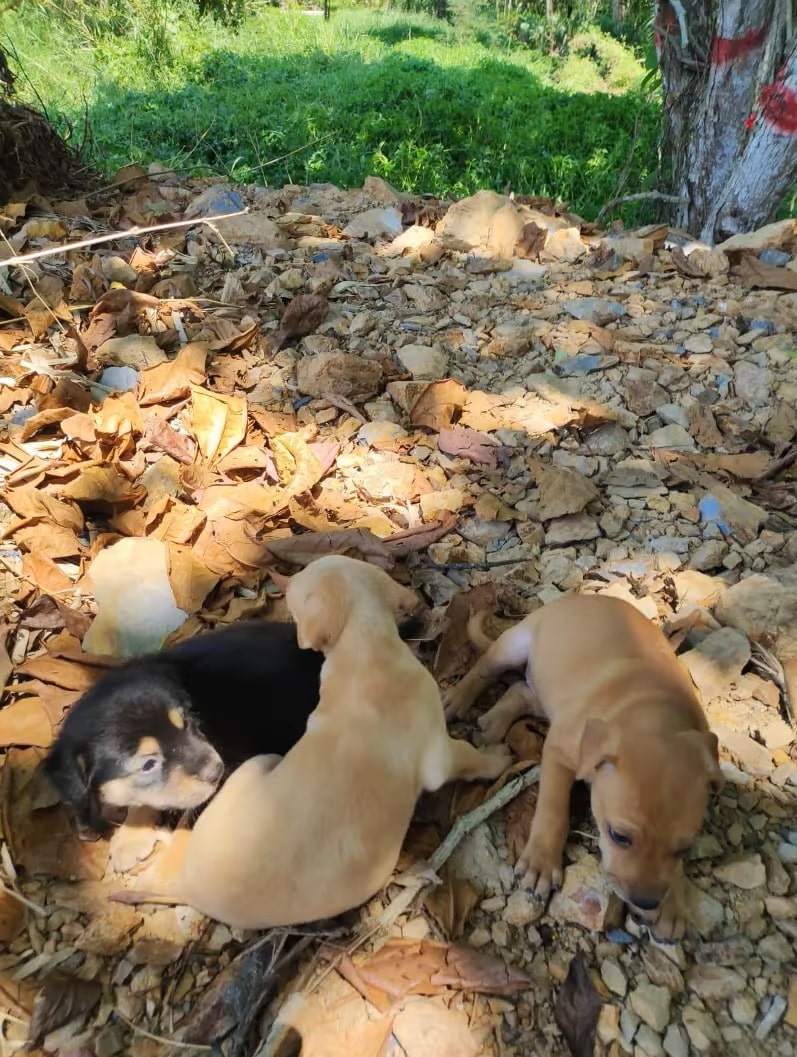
(338, 373)
(753, 384)
(787, 852)
(744, 871)
(410, 240)
(753, 757)
(586, 897)
(595, 310)
(791, 1010)
(583, 363)
(708, 556)
(699, 344)
(696, 588)
(673, 437)
(715, 982)
(425, 1028)
(482, 532)
(477, 861)
(717, 661)
(614, 977)
(706, 914)
(119, 379)
(652, 1005)
(252, 229)
(673, 415)
(106, 934)
(774, 236)
(522, 908)
(775, 948)
(733, 515)
(380, 432)
(564, 245)
(422, 362)
(486, 221)
(676, 1043)
(573, 529)
(772, 1017)
(375, 223)
(215, 201)
(479, 938)
(701, 1029)
(563, 491)
(133, 350)
(610, 439)
(608, 1024)
(525, 273)
(744, 1009)
(758, 606)
(648, 1042)
(778, 734)
(662, 970)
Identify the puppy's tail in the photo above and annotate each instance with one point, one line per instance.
(476, 633)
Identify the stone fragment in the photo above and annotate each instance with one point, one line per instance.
(715, 982)
(423, 363)
(652, 1005)
(744, 871)
(573, 529)
(717, 661)
(586, 897)
(339, 373)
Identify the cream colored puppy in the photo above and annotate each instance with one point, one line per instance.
(319, 831)
(624, 717)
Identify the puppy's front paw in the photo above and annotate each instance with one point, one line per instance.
(131, 845)
(493, 729)
(540, 867)
(497, 758)
(455, 704)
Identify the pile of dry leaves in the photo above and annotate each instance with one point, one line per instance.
(496, 403)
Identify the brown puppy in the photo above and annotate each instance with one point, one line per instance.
(318, 831)
(624, 717)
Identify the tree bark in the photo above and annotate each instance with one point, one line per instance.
(729, 79)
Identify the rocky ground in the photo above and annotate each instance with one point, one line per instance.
(499, 404)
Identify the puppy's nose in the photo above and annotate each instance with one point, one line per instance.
(642, 902)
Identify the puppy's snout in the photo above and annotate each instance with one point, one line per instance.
(213, 770)
(644, 901)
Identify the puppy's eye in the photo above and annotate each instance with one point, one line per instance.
(681, 852)
(149, 764)
(622, 840)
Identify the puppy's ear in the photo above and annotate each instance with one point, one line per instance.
(708, 748)
(69, 772)
(405, 602)
(598, 748)
(320, 618)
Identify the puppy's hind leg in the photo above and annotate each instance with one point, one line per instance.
(509, 651)
(519, 700)
(455, 759)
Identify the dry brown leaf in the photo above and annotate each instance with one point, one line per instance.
(51, 541)
(24, 723)
(41, 840)
(702, 263)
(50, 613)
(218, 422)
(408, 541)
(6, 667)
(160, 436)
(44, 573)
(518, 817)
(298, 465)
(304, 314)
(455, 649)
(102, 485)
(118, 416)
(356, 543)
(42, 420)
(191, 581)
(62, 999)
(175, 379)
(451, 904)
(31, 502)
(66, 674)
(469, 444)
(12, 918)
(438, 404)
(577, 1009)
(531, 241)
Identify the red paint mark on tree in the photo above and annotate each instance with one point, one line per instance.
(727, 49)
(779, 105)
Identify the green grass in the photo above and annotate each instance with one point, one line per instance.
(289, 98)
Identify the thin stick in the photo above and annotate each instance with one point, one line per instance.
(162, 1038)
(640, 196)
(774, 468)
(16, 895)
(132, 233)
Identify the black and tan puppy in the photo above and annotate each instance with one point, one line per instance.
(160, 731)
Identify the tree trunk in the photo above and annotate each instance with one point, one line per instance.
(618, 12)
(729, 78)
